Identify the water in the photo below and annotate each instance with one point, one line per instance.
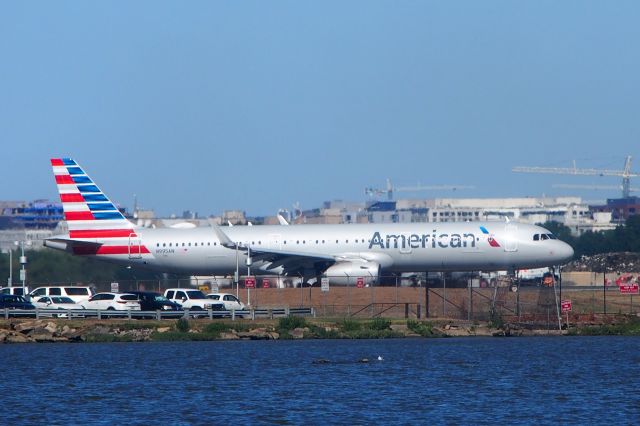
(583, 380)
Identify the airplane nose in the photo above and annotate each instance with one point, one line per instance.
(565, 251)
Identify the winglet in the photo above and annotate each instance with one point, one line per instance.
(282, 220)
(224, 239)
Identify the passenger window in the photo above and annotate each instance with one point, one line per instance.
(170, 294)
(55, 292)
(180, 295)
(536, 237)
(544, 236)
(552, 237)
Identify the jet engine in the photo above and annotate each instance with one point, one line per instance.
(347, 273)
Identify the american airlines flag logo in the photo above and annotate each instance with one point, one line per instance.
(90, 214)
(490, 239)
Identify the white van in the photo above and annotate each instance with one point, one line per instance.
(15, 290)
(77, 294)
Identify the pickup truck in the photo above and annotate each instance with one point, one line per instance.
(192, 299)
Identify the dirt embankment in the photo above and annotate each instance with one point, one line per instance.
(66, 331)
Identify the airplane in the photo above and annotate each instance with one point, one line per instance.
(96, 228)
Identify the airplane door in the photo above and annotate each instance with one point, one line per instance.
(134, 246)
(511, 237)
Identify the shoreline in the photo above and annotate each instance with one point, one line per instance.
(289, 328)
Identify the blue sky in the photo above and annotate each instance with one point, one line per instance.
(254, 105)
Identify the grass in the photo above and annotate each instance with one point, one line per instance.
(629, 327)
(424, 329)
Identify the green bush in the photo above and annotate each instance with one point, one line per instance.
(424, 329)
(291, 322)
(379, 324)
(630, 327)
(320, 332)
(216, 328)
(349, 325)
(495, 319)
(182, 325)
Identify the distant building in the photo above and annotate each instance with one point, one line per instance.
(620, 208)
(38, 214)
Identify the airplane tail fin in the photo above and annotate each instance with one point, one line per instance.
(87, 210)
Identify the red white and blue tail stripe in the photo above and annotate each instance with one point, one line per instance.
(90, 215)
(86, 209)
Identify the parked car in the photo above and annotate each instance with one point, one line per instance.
(113, 301)
(10, 301)
(192, 299)
(15, 290)
(230, 301)
(151, 301)
(76, 293)
(56, 302)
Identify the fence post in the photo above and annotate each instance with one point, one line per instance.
(426, 300)
(418, 309)
(406, 310)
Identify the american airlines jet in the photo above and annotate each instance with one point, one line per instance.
(98, 229)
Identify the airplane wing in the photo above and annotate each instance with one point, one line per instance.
(292, 263)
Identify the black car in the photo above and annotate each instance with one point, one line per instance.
(14, 302)
(152, 301)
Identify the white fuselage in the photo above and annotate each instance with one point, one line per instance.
(413, 247)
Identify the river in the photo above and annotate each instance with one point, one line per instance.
(537, 380)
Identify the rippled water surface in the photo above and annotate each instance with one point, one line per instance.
(586, 380)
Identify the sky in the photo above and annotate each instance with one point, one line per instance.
(223, 105)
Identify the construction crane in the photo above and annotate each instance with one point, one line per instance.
(593, 187)
(626, 173)
(390, 189)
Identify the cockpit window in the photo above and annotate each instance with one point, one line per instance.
(538, 237)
